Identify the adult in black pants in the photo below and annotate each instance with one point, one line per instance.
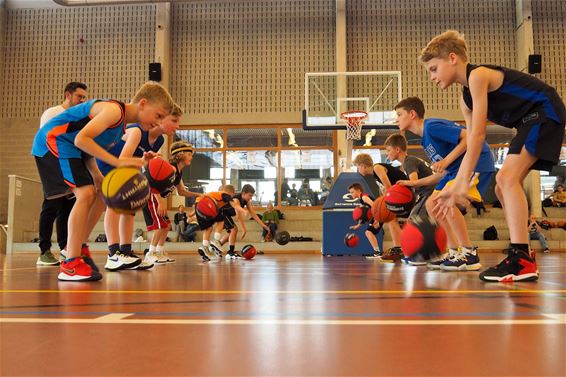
(58, 208)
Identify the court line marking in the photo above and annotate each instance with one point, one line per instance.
(512, 289)
(120, 318)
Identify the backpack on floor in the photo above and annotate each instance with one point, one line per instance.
(490, 234)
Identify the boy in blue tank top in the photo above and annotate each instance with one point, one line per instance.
(119, 227)
(65, 150)
(444, 142)
(512, 99)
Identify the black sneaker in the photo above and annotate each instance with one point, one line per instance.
(518, 266)
(233, 255)
(203, 255)
(392, 255)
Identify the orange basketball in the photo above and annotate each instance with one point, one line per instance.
(380, 211)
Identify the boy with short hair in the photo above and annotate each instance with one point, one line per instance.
(387, 175)
(444, 142)
(514, 100)
(357, 192)
(239, 201)
(119, 227)
(222, 198)
(65, 150)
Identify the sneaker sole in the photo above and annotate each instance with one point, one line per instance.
(124, 266)
(142, 266)
(464, 267)
(203, 255)
(47, 264)
(510, 278)
(77, 278)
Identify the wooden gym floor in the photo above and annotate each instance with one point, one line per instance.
(300, 315)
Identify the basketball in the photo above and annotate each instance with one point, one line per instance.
(125, 190)
(206, 208)
(380, 212)
(400, 200)
(249, 251)
(283, 237)
(362, 213)
(423, 239)
(351, 240)
(160, 174)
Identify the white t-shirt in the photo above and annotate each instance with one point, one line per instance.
(50, 113)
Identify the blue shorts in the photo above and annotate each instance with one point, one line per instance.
(478, 188)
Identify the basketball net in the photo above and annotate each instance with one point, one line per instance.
(354, 123)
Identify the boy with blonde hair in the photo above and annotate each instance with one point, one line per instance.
(119, 227)
(65, 150)
(511, 99)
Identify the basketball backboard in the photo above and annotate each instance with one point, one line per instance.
(328, 94)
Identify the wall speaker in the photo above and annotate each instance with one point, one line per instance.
(535, 63)
(155, 71)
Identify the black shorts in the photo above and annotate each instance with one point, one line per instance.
(60, 175)
(542, 137)
(373, 230)
(420, 209)
(227, 215)
(207, 222)
(153, 220)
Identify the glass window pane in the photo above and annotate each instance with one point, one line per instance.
(205, 172)
(212, 138)
(297, 137)
(257, 168)
(251, 137)
(308, 176)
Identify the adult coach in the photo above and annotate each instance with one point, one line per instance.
(58, 208)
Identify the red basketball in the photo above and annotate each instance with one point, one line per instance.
(249, 251)
(423, 239)
(362, 213)
(160, 174)
(400, 200)
(206, 208)
(351, 240)
(380, 212)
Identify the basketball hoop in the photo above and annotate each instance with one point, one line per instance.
(354, 123)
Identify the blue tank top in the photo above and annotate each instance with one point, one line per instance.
(519, 99)
(58, 135)
(143, 146)
(441, 136)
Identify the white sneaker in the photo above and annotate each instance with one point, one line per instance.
(140, 239)
(217, 248)
(62, 255)
(165, 256)
(120, 261)
(152, 257)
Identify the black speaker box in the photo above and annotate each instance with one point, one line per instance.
(535, 63)
(155, 71)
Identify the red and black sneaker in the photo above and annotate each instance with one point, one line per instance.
(518, 266)
(85, 252)
(77, 270)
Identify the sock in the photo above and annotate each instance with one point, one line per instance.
(231, 249)
(469, 250)
(126, 249)
(376, 250)
(69, 260)
(217, 236)
(205, 243)
(521, 246)
(152, 248)
(160, 248)
(112, 249)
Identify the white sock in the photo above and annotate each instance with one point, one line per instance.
(217, 236)
(205, 243)
(160, 248)
(152, 248)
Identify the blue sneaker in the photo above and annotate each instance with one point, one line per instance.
(465, 260)
(435, 264)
